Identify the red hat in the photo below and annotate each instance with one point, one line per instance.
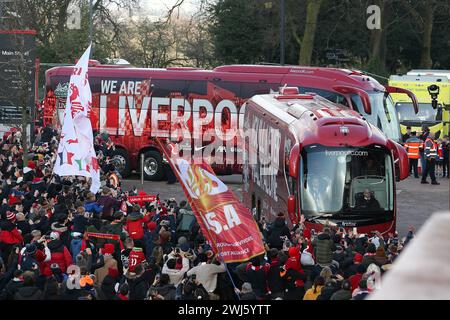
(357, 258)
(36, 180)
(31, 164)
(151, 225)
(294, 252)
(10, 216)
(108, 248)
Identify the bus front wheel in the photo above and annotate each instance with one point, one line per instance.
(153, 166)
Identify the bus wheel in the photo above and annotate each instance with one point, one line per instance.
(153, 166)
(122, 162)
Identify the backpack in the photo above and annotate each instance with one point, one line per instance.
(29, 263)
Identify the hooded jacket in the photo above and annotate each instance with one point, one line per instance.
(59, 254)
(108, 287)
(135, 225)
(278, 230)
(293, 263)
(324, 247)
(274, 280)
(9, 233)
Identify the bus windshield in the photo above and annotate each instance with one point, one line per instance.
(426, 113)
(345, 182)
(383, 113)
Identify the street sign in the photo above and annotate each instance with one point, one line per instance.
(17, 52)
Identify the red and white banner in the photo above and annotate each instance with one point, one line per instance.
(76, 155)
(224, 220)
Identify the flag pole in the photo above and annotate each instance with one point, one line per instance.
(175, 170)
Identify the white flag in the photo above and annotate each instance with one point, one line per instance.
(76, 154)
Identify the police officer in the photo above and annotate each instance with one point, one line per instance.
(423, 136)
(412, 146)
(430, 154)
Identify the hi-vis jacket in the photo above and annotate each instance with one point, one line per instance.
(412, 146)
(430, 149)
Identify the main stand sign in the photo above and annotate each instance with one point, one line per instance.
(17, 64)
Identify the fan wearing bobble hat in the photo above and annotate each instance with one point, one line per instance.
(9, 234)
(59, 252)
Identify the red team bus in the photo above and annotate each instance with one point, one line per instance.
(306, 155)
(134, 105)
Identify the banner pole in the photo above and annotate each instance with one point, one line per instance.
(175, 171)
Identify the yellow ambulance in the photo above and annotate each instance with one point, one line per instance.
(424, 84)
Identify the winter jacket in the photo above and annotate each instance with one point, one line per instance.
(274, 280)
(75, 248)
(10, 289)
(324, 247)
(186, 219)
(257, 277)
(207, 274)
(248, 296)
(109, 204)
(311, 295)
(294, 263)
(102, 272)
(135, 226)
(108, 287)
(138, 287)
(167, 291)
(354, 280)
(59, 254)
(23, 226)
(64, 234)
(93, 207)
(28, 293)
(328, 291)
(79, 223)
(278, 230)
(9, 233)
(368, 259)
(176, 275)
(342, 295)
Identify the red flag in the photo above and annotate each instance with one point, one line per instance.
(224, 221)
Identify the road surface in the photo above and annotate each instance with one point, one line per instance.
(415, 202)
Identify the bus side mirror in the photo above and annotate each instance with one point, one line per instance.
(291, 205)
(361, 93)
(401, 162)
(410, 94)
(294, 161)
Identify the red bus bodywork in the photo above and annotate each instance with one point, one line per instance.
(308, 139)
(134, 104)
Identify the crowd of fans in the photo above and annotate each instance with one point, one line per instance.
(59, 241)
